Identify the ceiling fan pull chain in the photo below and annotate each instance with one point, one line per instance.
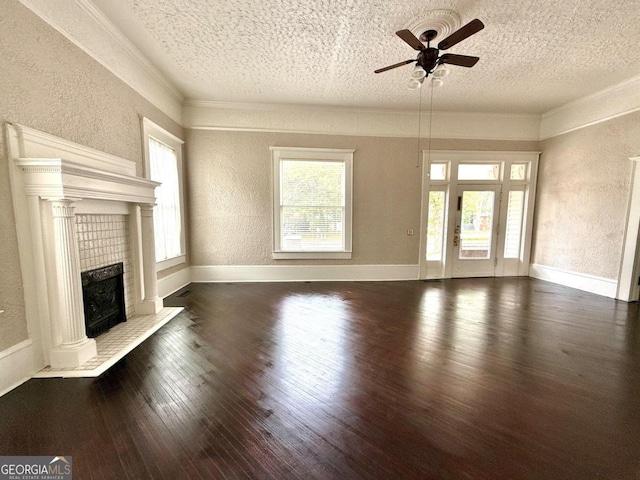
(430, 123)
(419, 126)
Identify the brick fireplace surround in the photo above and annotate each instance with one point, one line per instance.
(61, 190)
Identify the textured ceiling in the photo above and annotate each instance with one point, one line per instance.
(534, 55)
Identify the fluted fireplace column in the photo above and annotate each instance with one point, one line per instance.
(75, 348)
(151, 303)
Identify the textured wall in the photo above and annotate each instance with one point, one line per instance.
(583, 190)
(230, 203)
(49, 84)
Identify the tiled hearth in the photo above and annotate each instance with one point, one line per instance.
(115, 344)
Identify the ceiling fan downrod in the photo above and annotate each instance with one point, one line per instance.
(428, 56)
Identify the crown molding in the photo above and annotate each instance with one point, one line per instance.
(84, 25)
(87, 27)
(349, 121)
(614, 101)
(260, 106)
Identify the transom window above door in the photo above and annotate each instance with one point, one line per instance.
(478, 171)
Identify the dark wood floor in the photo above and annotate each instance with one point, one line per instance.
(461, 379)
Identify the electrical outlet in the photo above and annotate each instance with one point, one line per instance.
(410, 232)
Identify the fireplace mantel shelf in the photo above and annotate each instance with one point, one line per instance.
(61, 178)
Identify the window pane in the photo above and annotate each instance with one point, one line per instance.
(519, 171)
(478, 171)
(435, 226)
(308, 183)
(514, 225)
(163, 163)
(312, 205)
(312, 228)
(438, 171)
(477, 224)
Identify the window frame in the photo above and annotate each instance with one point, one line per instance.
(153, 130)
(280, 154)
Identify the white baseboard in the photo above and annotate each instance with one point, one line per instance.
(581, 281)
(16, 365)
(174, 282)
(302, 273)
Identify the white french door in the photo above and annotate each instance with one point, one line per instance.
(477, 214)
(474, 241)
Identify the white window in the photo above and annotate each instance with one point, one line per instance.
(312, 202)
(163, 163)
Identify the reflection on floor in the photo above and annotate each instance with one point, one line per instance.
(483, 379)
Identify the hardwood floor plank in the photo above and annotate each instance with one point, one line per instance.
(472, 378)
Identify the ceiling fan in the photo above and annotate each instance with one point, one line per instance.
(429, 57)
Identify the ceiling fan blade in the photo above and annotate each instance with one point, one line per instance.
(474, 26)
(462, 60)
(395, 65)
(411, 39)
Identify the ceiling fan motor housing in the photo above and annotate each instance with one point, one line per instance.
(428, 59)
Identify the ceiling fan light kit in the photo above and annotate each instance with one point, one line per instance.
(414, 83)
(418, 73)
(440, 72)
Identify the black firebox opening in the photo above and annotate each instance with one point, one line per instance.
(103, 298)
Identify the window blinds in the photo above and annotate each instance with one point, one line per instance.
(163, 164)
(312, 204)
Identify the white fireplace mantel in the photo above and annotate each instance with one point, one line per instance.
(49, 177)
(60, 178)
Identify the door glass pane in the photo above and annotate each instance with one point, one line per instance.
(476, 224)
(435, 226)
(438, 171)
(514, 225)
(478, 171)
(518, 171)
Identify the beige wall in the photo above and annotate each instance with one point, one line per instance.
(230, 203)
(583, 190)
(49, 84)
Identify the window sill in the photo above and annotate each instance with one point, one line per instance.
(170, 262)
(310, 255)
